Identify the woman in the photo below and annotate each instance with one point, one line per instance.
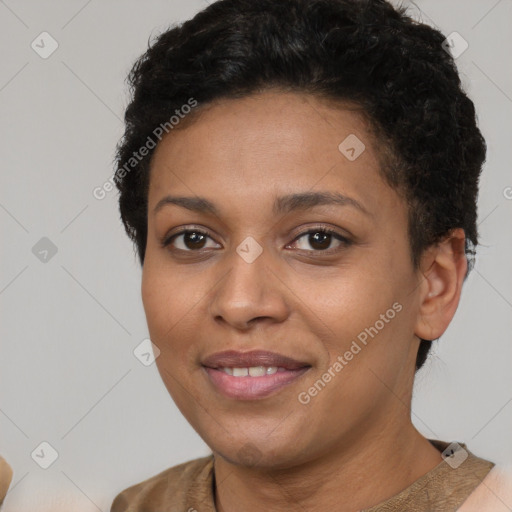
(300, 180)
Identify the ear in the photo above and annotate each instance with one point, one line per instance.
(443, 267)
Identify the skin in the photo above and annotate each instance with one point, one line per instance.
(340, 449)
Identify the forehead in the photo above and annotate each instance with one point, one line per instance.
(292, 122)
(268, 143)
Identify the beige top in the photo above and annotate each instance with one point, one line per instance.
(190, 487)
(5, 478)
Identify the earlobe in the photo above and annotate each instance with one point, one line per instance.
(443, 269)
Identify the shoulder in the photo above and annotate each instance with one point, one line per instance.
(170, 488)
(5, 478)
(494, 494)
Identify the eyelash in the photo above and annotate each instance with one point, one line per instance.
(344, 241)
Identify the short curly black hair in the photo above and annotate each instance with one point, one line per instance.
(366, 52)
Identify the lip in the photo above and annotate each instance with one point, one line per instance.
(252, 388)
(235, 359)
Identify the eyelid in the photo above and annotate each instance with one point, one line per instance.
(327, 228)
(168, 238)
(345, 241)
(335, 232)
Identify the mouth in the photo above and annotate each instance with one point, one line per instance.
(252, 375)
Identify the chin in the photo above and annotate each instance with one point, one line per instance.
(259, 453)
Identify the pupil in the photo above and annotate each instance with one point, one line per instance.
(317, 240)
(323, 237)
(196, 238)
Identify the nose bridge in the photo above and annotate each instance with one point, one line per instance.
(246, 280)
(249, 289)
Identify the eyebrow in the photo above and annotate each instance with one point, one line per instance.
(282, 205)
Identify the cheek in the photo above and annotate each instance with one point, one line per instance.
(362, 314)
(166, 305)
(350, 300)
(169, 315)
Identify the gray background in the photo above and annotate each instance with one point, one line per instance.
(68, 375)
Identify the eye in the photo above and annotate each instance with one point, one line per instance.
(188, 240)
(320, 239)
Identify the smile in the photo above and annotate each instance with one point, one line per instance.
(253, 371)
(243, 384)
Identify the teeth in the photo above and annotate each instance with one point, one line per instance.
(240, 372)
(253, 371)
(257, 371)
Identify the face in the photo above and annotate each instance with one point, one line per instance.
(296, 257)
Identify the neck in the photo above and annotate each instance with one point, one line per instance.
(367, 473)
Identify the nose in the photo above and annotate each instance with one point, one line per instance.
(249, 293)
